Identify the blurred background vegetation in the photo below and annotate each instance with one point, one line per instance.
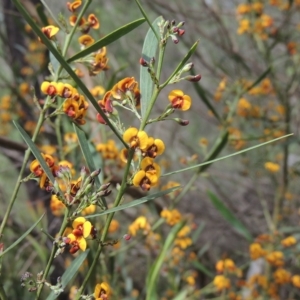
(232, 53)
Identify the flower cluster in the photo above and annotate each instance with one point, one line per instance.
(77, 238)
(74, 106)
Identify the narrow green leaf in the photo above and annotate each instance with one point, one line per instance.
(203, 269)
(85, 149)
(260, 78)
(108, 39)
(71, 272)
(229, 216)
(134, 203)
(35, 151)
(182, 295)
(202, 94)
(149, 51)
(227, 156)
(84, 146)
(183, 62)
(154, 271)
(22, 237)
(50, 46)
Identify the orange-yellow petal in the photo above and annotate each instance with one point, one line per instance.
(175, 93)
(143, 139)
(87, 228)
(78, 222)
(138, 177)
(187, 101)
(129, 134)
(82, 243)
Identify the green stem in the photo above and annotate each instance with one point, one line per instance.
(106, 226)
(53, 251)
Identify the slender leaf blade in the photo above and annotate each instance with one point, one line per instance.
(203, 269)
(154, 271)
(70, 272)
(229, 216)
(84, 146)
(35, 151)
(22, 237)
(108, 39)
(227, 156)
(134, 203)
(149, 51)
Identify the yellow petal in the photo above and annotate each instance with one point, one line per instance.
(129, 134)
(175, 93)
(160, 146)
(143, 139)
(82, 243)
(138, 177)
(78, 221)
(87, 227)
(187, 101)
(146, 162)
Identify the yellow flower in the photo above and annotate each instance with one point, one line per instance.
(172, 216)
(108, 150)
(244, 26)
(282, 276)
(50, 31)
(256, 251)
(289, 241)
(81, 227)
(275, 258)
(139, 223)
(76, 243)
(179, 100)
(136, 138)
(243, 9)
(102, 291)
(56, 206)
(114, 226)
(225, 265)
(97, 91)
(296, 281)
(86, 40)
(272, 167)
(221, 283)
(49, 88)
(154, 147)
(183, 243)
(125, 85)
(89, 210)
(74, 5)
(93, 21)
(70, 137)
(243, 107)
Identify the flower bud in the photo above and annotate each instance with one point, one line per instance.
(180, 24)
(175, 29)
(143, 62)
(126, 237)
(173, 22)
(95, 173)
(182, 122)
(104, 187)
(174, 39)
(187, 67)
(181, 32)
(195, 78)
